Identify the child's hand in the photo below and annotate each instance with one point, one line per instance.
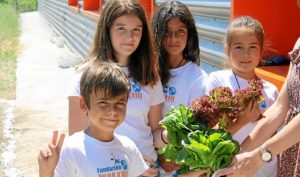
(167, 166)
(151, 172)
(250, 114)
(49, 156)
(194, 173)
(213, 121)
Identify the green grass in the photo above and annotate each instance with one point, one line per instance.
(9, 34)
(23, 5)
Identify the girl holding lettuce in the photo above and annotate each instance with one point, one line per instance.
(177, 47)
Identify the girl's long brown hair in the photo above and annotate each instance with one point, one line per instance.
(143, 65)
(165, 12)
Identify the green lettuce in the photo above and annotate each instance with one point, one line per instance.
(193, 146)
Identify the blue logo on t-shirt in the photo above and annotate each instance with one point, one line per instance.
(169, 90)
(263, 105)
(135, 87)
(165, 89)
(124, 165)
(120, 165)
(172, 91)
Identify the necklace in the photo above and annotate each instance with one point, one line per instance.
(236, 80)
(87, 131)
(180, 62)
(262, 104)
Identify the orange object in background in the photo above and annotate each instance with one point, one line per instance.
(274, 74)
(281, 23)
(72, 2)
(149, 7)
(92, 5)
(280, 20)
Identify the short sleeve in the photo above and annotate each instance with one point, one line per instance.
(64, 167)
(75, 85)
(271, 92)
(211, 83)
(275, 93)
(158, 95)
(138, 165)
(197, 88)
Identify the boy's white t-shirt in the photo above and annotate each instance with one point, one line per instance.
(135, 125)
(226, 78)
(186, 83)
(82, 156)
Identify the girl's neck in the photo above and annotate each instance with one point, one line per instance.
(245, 75)
(176, 61)
(122, 60)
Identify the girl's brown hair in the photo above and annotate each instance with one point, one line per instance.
(245, 22)
(160, 20)
(143, 65)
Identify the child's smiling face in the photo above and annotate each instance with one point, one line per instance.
(244, 50)
(125, 35)
(105, 113)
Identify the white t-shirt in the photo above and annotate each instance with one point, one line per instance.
(135, 125)
(82, 156)
(226, 78)
(185, 84)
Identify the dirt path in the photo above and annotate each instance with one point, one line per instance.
(42, 86)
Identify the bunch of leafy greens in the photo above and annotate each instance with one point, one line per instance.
(193, 146)
(222, 105)
(219, 104)
(253, 93)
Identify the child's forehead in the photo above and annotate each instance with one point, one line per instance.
(175, 22)
(106, 94)
(128, 19)
(242, 29)
(241, 34)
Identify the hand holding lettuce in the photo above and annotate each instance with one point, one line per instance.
(191, 143)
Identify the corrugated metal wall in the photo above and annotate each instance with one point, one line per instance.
(76, 28)
(211, 16)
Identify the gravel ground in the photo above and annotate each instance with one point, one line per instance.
(42, 86)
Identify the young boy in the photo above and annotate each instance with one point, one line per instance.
(97, 151)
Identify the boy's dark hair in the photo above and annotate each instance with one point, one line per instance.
(104, 76)
(165, 12)
(245, 22)
(143, 66)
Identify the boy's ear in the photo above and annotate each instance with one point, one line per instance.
(83, 106)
